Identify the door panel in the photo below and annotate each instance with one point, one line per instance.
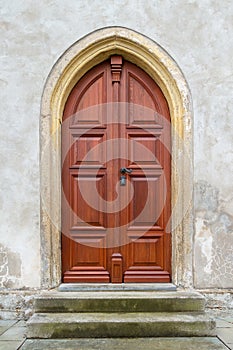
(113, 233)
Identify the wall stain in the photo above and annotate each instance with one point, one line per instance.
(213, 263)
(10, 268)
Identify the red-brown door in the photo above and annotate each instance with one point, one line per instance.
(115, 221)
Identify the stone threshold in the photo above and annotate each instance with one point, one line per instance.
(82, 287)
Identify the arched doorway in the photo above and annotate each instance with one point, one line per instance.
(162, 69)
(116, 177)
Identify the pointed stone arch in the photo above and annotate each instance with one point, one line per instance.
(70, 67)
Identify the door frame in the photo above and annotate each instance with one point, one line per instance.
(70, 67)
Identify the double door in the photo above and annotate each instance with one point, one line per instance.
(116, 178)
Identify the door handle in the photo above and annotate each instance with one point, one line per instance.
(123, 172)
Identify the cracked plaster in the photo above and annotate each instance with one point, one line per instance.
(10, 268)
(213, 240)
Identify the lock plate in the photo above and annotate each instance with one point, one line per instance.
(124, 172)
(123, 180)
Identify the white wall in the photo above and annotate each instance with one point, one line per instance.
(198, 34)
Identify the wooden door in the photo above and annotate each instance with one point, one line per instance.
(116, 117)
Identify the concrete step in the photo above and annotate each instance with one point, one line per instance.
(119, 301)
(113, 325)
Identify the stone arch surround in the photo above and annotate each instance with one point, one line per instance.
(70, 67)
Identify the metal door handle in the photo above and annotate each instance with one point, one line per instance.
(125, 170)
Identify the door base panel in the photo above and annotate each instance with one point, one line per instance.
(86, 276)
(146, 276)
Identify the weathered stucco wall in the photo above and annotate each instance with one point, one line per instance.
(198, 35)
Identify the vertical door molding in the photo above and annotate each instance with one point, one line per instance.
(67, 71)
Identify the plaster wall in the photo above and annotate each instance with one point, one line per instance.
(198, 35)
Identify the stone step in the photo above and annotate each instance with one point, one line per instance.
(125, 343)
(113, 325)
(119, 301)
